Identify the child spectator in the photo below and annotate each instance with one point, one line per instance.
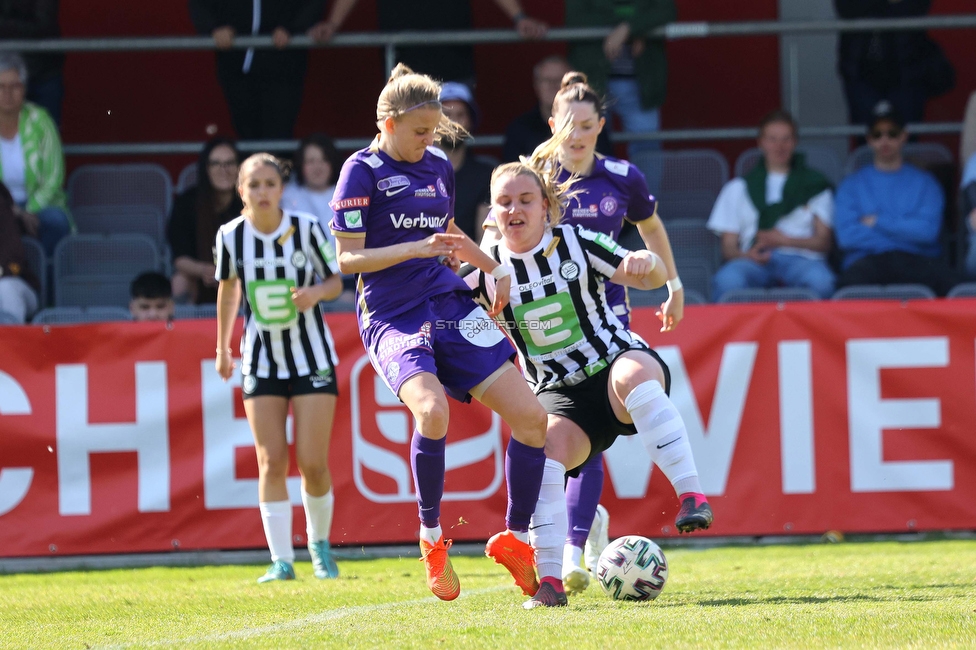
(152, 297)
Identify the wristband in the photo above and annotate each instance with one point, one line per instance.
(501, 271)
(519, 17)
(674, 285)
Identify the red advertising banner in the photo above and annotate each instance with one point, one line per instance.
(854, 416)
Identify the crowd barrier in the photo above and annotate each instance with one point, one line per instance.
(804, 417)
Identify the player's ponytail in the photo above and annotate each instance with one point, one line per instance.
(406, 91)
(573, 77)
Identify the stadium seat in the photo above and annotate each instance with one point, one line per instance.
(824, 159)
(98, 269)
(37, 261)
(771, 294)
(964, 290)
(691, 240)
(885, 292)
(142, 219)
(68, 315)
(920, 154)
(685, 182)
(8, 319)
(126, 184)
(187, 178)
(189, 312)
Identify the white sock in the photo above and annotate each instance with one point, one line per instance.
(550, 522)
(661, 429)
(571, 557)
(430, 535)
(318, 515)
(276, 517)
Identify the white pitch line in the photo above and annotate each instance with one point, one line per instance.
(323, 617)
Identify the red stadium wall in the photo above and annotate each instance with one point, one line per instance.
(850, 416)
(132, 97)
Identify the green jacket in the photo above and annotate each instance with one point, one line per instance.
(43, 160)
(651, 67)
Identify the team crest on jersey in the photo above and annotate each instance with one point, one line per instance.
(608, 206)
(393, 371)
(441, 187)
(250, 384)
(298, 260)
(569, 270)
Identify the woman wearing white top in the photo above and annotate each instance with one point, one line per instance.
(313, 179)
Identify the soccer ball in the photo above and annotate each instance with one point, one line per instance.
(632, 568)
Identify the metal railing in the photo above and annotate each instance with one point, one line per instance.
(389, 40)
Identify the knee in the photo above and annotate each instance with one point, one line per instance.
(273, 464)
(529, 424)
(432, 416)
(727, 278)
(314, 472)
(821, 282)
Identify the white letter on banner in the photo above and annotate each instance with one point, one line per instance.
(796, 417)
(629, 464)
(14, 481)
(869, 414)
(223, 433)
(148, 436)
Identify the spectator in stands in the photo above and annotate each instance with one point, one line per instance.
(36, 19)
(889, 216)
(967, 141)
(263, 87)
(152, 297)
(774, 222)
(967, 201)
(315, 170)
(197, 215)
(630, 64)
(31, 160)
(902, 67)
(444, 62)
(530, 129)
(472, 174)
(19, 288)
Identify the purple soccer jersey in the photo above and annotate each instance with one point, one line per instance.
(390, 202)
(613, 191)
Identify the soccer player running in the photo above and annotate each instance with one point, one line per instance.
(606, 192)
(271, 257)
(424, 334)
(595, 379)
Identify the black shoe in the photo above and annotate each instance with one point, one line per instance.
(691, 518)
(547, 596)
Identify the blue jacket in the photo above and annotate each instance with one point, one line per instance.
(908, 203)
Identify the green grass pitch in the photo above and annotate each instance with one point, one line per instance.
(852, 595)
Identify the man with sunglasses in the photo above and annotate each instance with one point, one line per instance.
(889, 214)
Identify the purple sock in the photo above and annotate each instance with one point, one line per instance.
(523, 468)
(427, 461)
(582, 496)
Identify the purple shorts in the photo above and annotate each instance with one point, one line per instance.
(448, 336)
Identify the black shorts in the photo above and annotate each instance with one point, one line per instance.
(323, 382)
(587, 405)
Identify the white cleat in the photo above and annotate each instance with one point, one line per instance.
(597, 540)
(576, 580)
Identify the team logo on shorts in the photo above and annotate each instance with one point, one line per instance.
(441, 187)
(250, 384)
(298, 259)
(608, 206)
(322, 378)
(393, 371)
(569, 270)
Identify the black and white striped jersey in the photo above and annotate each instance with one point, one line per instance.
(279, 341)
(558, 315)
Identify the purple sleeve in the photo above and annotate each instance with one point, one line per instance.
(642, 205)
(350, 202)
